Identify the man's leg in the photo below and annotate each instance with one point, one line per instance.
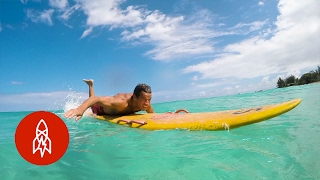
(90, 84)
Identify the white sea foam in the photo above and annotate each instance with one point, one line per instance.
(73, 100)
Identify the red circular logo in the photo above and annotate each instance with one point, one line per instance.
(42, 138)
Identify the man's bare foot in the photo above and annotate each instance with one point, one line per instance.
(88, 81)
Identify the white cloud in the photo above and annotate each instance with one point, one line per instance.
(41, 101)
(246, 28)
(212, 84)
(86, 32)
(266, 83)
(44, 17)
(173, 37)
(26, 1)
(293, 46)
(16, 82)
(195, 78)
(234, 88)
(296, 73)
(9, 26)
(109, 13)
(68, 11)
(176, 37)
(60, 4)
(261, 3)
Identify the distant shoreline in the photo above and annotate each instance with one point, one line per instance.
(314, 82)
(307, 78)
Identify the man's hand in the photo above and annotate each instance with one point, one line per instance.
(150, 109)
(73, 112)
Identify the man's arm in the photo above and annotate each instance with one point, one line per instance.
(78, 112)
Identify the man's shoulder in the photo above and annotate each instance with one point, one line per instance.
(123, 96)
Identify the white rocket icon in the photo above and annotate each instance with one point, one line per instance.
(42, 141)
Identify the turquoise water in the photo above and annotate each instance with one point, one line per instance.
(285, 147)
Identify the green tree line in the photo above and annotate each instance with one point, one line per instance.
(310, 77)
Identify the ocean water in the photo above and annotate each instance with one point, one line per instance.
(285, 147)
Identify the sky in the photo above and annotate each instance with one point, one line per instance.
(182, 49)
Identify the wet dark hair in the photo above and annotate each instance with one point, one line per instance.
(141, 87)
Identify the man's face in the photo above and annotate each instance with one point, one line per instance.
(143, 101)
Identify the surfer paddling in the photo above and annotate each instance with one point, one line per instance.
(120, 104)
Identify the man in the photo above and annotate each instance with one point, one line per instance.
(120, 104)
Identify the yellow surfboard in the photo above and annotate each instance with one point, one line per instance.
(202, 121)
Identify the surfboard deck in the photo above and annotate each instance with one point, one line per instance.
(202, 121)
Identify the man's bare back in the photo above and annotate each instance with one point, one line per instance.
(122, 107)
(120, 104)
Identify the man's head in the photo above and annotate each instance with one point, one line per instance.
(142, 96)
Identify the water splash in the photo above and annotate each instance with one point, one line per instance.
(73, 100)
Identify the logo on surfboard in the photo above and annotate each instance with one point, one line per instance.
(42, 138)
